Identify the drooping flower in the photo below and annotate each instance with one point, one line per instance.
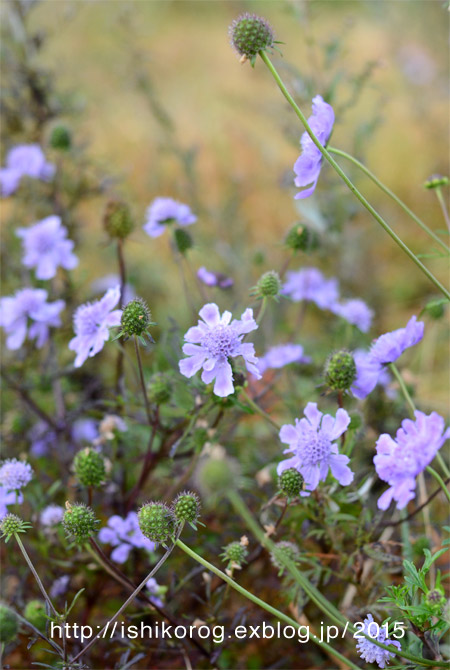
(211, 343)
(281, 355)
(15, 474)
(369, 651)
(164, 211)
(399, 461)
(46, 247)
(8, 498)
(51, 515)
(309, 284)
(28, 303)
(354, 311)
(124, 534)
(312, 443)
(307, 167)
(214, 278)
(92, 322)
(24, 160)
(386, 349)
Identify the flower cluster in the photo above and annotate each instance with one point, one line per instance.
(164, 211)
(369, 651)
(15, 474)
(124, 534)
(24, 160)
(29, 304)
(46, 247)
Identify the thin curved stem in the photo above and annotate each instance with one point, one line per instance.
(348, 181)
(399, 378)
(391, 194)
(439, 479)
(260, 411)
(35, 574)
(441, 200)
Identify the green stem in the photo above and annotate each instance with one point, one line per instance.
(261, 603)
(141, 378)
(390, 193)
(35, 574)
(349, 183)
(439, 479)
(328, 608)
(440, 197)
(260, 411)
(262, 309)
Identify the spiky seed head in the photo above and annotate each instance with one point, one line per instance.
(340, 370)
(11, 524)
(186, 507)
(250, 34)
(157, 522)
(287, 549)
(89, 467)
(290, 482)
(117, 219)
(436, 181)
(183, 240)
(159, 388)
(301, 238)
(235, 552)
(79, 522)
(9, 624)
(268, 286)
(35, 613)
(135, 318)
(60, 137)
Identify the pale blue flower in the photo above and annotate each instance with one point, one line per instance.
(24, 160)
(29, 304)
(369, 651)
(124, 534)
(15, 474)
(46, 247)
(310, 285)
(163, 211)
(281, 355)
(8, 498)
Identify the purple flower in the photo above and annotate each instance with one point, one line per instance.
(8, 498)
(91, 325)
(59, 586)
(399, 461)
(213, 341)
(281, 355)
(310, 284)
(46, 247)
(25, 160)
(51, 515)
(368, 650)
(312, 442)
(355, 312)
(156, 591)
(15, 474)
(84, 430)
(124, 534)
(214, 278)
(307, 166)
(28, 303)
(165, 210)
(386, 349)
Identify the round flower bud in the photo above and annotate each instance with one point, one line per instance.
(186, 507)
(135, 318)
(11, 524)
(435, 308)
(9, 624)
(235, 552)
(269, 285)
(340, 371)
(157, 522)
(117, 219)
(35, 613)
(79, 522)
(183, 240)
(60, 138)
(89, 467)
(290, 482)
(436, 181)
(436, 600)
(250, 34)
(159, 388)
(301, 238)
(287, 549)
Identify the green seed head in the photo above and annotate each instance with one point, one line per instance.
(60, 138)
(89, 467)
(301, 238)
(183, 240)
(186, 507)
(436, 181)
(35, 613)
(9, 624)
(235, 552)
(79, 522)
(290, 482)
(340, 371)
(250, 34)
(136, 318)
(268, 286)
(287, 549)
(159, 388)
(11, 524)
(157, 522)
(117, 219)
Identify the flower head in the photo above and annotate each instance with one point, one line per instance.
(46, 247)
(310, 284)
(91, 324)
(399, 461)
(307, 167)
(51, 515)
(156, 591)
(368, 650)
(281, 355)
(164, 211)
(124, 534)
(15, 474)
(25, 160)
(211, 343)
(214, 278)
(28, 303)
(312, 443)
(386, 349)
(354, 311)
(250, 34)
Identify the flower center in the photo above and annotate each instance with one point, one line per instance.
(220, 341)
(314, 447)
(44, 243)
